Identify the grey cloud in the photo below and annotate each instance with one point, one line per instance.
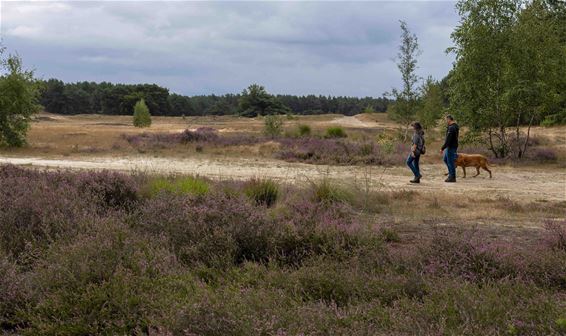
(336, 48)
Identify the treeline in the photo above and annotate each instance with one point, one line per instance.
(119, 99)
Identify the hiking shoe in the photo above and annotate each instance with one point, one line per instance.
(450, 179)
(416, 180)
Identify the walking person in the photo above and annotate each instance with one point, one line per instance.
(450, 147)
(417, 148)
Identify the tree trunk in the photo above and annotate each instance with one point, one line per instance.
(491, 144)
(526, 143)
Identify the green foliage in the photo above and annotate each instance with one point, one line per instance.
(432, 105)
(262, 192)
(510, 69)
(273, 125)
(335, 132)
(18, 100)
(142, 118)
(255, 100)
(406, 99)
(186, 185)
(303, 130)
(327, 192)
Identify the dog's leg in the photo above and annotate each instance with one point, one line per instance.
(478, 171)
(487, 169)
(464, 169)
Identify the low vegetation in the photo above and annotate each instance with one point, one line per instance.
(93, 253)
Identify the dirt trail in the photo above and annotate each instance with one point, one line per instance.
(515, 183)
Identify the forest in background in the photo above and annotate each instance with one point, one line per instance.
(119, 99)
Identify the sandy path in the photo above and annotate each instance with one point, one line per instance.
(515, 183)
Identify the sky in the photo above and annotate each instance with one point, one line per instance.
(327, 48)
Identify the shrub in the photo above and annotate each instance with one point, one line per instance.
(335, 132)
(112, 189)
(327, 192)
(37, 208)
(110, 280)
(181, 186)
(555, 235)
(142, 118)
(13, 293)
(304, 130)
(543, 155)
(273, 125)
(262, 192)
(216, 229)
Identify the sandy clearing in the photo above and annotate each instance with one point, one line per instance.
(515, 183)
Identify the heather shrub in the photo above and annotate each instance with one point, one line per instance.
(303, 130)
(555, 234)
(109, 280)
(37, 208)
(112, 189)
(216, 229)
(201, 134)
(262, 192)
(13, 293)
(543, 155)
(186, 185)
(464, 308)
(335, 132)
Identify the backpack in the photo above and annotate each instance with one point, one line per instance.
(422, 150)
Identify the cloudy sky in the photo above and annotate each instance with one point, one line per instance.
(329, 48)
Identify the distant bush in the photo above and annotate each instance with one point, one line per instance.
(303, 130)
(262, 192)
(142, 118)
(180, 186)
(543, 155)
(335, 132)
(273, 125)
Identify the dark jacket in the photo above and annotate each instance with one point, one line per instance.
(452, 133)
(418, 140)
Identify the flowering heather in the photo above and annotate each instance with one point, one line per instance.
(89, 253)
(335, 151)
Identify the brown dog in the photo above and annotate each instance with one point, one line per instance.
(472, 160)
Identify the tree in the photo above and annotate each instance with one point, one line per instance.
(432, 103)
(255, 100)
(273, 125)
(142, 118)
(509, 70)
(406, 100)
(18, 100)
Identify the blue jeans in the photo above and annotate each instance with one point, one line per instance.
(413, 163)
(449, 158)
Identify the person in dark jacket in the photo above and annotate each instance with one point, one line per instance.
(450, 147)
(416, 151)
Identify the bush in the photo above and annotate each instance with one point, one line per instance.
(304, 130)
(335, 132)
(262, 192)
(217, 229)
(38, 208)
(327, 192)
(111, 189)
(543, 155)
(142, 118)
(13, 293)
(181, 186)
(273, 125)
(108, 281)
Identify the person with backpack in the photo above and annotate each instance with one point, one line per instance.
(417, 149)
